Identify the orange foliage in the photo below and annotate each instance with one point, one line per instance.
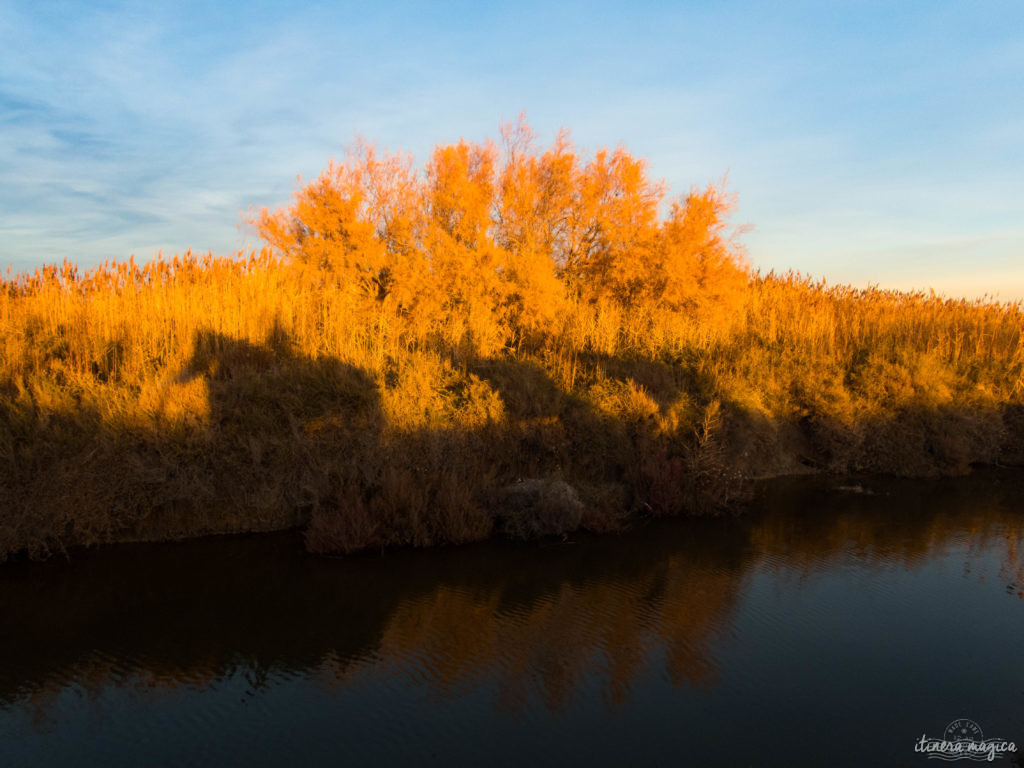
(466, 264)
(533, 223)
(359, 221)
(619, 213)
(696, 265)
(487, 248)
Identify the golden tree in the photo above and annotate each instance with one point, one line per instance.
(465, 262)
(359, 222)
(532, 224)
(617, 225)
(697, 266)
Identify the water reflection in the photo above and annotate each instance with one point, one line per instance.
(537, 621)
(523, 630)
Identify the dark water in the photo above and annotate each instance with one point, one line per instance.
(828, 627)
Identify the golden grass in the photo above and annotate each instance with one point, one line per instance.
(204, 394)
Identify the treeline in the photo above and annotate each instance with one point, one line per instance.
(488, 246)
(513, 340)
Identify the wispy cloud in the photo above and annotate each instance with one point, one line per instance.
(858, 138)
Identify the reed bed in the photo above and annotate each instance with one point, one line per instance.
(410, 347)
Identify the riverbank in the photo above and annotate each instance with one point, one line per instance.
(233, 395)
(523, 342)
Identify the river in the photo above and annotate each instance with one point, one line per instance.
(836, 623)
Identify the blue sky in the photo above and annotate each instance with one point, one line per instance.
(868, 142)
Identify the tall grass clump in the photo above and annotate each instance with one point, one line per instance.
(411, 345)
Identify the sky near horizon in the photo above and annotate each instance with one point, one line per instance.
(868, 143)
